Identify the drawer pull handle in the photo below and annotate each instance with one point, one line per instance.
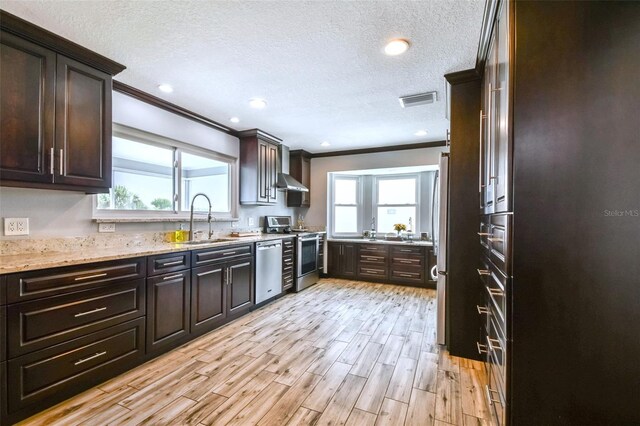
(482, 349)
(484, 272)
(228, 253)
(81, 314)
(482, 310)
(405, 261)
(495, 240)
(171, 277)
(177, 262)
(494, 344)
(495, 292)
(373, 271)
(405, 250)
(485, 234)
(490, 393)
(408, 275)
(88, 277)
(94, 356)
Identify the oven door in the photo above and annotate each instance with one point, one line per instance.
(307, 255)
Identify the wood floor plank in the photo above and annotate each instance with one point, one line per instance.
(375, 388)
(367, 359)
(304, 417)
(340, 406)
(422, 408)
(322, 364)
(361, 418)
(448, 399)
(259, 406)
(392, 413)
(166, 415)
(355, 348)
(427, 372)
(468, 420)
(402, 380)
(282, 411)
(472, 393)
(201, 410)
(412, 345)
(392, 349)
(319, 398)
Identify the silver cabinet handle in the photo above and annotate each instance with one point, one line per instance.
(171, 277)
(88, 277)
(482, 349)
(495, 292)
(485, 234)
(482, 117)
(484, 272)
(494, 344)
(373, 271)
(406, 261)
(177, 262)
(83, 360)
(81, 314)
(51, 160)
(490, 393)
(482, 310)
(62, 161)
(407, 275)
(406, 250)
(495, 240)
(228, 253)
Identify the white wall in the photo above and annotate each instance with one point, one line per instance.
(67, 213)
(316, 215)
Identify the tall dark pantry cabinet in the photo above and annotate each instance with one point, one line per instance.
(559, 204)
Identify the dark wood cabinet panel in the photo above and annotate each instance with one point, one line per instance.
(259, 166)
(300, 169)
(83, 125)
(208, 297)
(240, 286)
(50, 282)
(165, 263)
(27, 96)
(343, 262)
(52, 374)
(45, 322)
(207, 256)
(168, 308)
(3, 333)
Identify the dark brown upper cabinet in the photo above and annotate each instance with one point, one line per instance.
(55, 111)
(259, 166)
(300, 169)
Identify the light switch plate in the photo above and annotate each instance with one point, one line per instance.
(16, 226)
(250, 221)
(106, 227)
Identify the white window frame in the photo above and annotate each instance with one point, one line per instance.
(178, 147)
(357, 205)
(376, 202)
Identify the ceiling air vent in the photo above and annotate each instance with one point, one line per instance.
(419, 99)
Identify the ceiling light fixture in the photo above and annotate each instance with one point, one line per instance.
(166, 88)
(234, 120)
(257, 103)
(325, 144)
(396, 47)
(421, 133)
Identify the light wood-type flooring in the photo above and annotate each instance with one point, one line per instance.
(340, 352)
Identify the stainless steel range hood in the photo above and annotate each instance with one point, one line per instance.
(285, 180)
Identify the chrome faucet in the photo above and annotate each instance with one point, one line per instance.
(373, 223)
(209, 217)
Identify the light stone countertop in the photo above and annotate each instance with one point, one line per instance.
(21, 262)
(392, 242)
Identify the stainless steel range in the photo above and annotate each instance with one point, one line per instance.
(307, 265)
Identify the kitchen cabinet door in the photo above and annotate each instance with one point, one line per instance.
(489, 129)
(263, 171)
(349, 260)
(168, 304)
(208, 297)
(240, 287)
(272, 166)
(502, 146)
(83, 125)
(258, 168)
(27, 102)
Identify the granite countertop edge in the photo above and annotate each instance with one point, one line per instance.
(392, 242)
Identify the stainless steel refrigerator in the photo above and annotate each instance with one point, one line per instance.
(440, 212)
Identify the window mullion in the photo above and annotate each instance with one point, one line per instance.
(177, 178)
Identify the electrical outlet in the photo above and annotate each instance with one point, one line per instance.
(16, 226)
(106, 227)
(250, 221)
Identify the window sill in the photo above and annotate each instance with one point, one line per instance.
(105, 219)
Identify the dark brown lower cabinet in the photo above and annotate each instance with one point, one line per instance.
(343, 262)
(240, 286)
(41, 378)
(168, 304)
(208, 297)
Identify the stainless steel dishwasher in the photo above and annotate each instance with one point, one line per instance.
(268, 270)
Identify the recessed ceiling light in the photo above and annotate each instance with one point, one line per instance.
(257, 103)
(166, 88)
(234, 120)
(325, 143)
(396, 47)
(421, 133)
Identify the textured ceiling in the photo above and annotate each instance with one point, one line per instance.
(319, 64)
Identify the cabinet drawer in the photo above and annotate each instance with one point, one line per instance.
(495, 397)
(495, 283)
(496, 347)
(3, 289)
(50, 282)
(3, 334)
(408, 260)
(412, 275)
(372, 271)
(399, 251)
(287, 281)
(500, 241)
(374, 248)
(63, 370)
(172, 262)
(205, 256)
(373, 258)
(484, 233)
(41, 323)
